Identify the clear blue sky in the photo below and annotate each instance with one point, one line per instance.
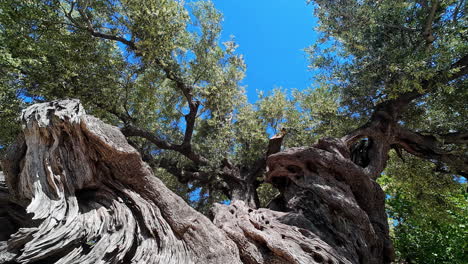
(271, 36)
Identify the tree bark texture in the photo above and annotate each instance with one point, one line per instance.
(75, 191)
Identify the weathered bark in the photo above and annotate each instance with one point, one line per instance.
(340, 201)
(79, 193)
(95, 201)
(267, 236)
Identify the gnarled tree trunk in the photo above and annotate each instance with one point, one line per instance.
(79, 193)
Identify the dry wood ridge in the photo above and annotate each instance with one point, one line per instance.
(90, 198)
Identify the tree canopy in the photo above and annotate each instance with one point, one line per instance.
(392, 84)
(405, 62)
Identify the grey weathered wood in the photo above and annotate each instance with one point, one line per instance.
(337, 197)
(95, 201)
(91, 199)
(336, 209)
(263, 236)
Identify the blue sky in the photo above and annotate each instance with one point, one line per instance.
(271, 36)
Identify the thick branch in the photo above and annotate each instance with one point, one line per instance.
(429, 147)
(274, 146)
(378, 154)
(132, 131)
(383, 128)
(172, 74)
(94, 33)
(243, 182)
(169, 71)
(90, 192)
(95, 201)
(379, 131)
(190, 123)
(427, 31)
(454, 138)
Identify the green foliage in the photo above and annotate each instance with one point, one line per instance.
(127, 60)
(422, 239)
(9, 109)
(266, 192)
(47, 53)
(373, 51)
(428, 210)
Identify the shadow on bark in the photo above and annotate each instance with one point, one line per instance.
(77, 192)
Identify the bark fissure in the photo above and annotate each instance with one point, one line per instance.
(93, 200)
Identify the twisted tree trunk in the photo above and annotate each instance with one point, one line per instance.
(79, 193)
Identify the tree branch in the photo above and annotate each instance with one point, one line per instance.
(274, 146)
(185, 147)
(427, 31)
(382, 128)
(430, 148)
(184, 174)
(462, 68)
(454, 138)
(89, 27)
(132, 131)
